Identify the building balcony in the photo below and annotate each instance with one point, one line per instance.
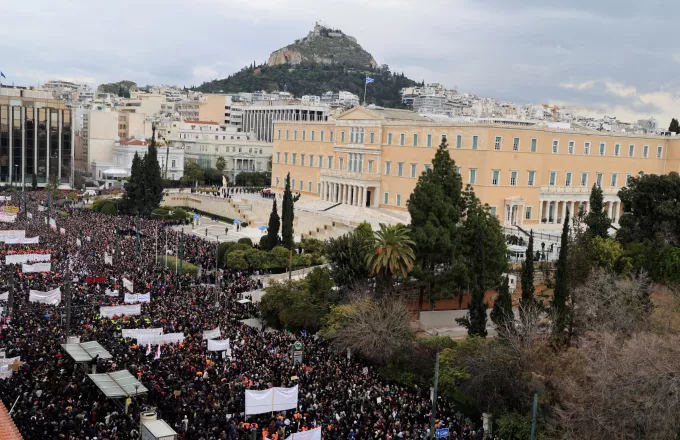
(342, 174)
(575, 190)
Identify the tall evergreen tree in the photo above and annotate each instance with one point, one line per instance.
(287, 216)
(597, 221)
(153, 183)
(273, 228)
(527, 277)
(477, 312)
(134, 189)
(435, 206)
(561, 294)
(674, 127)
(501, 314)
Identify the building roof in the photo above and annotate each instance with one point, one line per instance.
(159, 428)
(134, 142)
(189, 121)
(118, 384)
(396, 114)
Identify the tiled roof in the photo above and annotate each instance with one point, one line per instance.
(189, 121)
(134, 142)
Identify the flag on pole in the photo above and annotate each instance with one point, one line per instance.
(158, 353)
(148, 349)
(369, 80)
(3, 75)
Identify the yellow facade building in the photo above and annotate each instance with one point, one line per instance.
(528, 175)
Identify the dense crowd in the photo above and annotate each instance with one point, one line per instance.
(201, 394)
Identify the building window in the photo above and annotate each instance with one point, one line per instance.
(361, 141)
(444, 137)
(631, 150)
(302, 160)
(294, 135)
(429, 140)
(628, 176)
(496, 175)
(302, 185)
(413, 170)
(531, 177)
(294, 158)
(279, 133)
(497, 143)
(645, 151)
(313, 134)
(321, 136)
(527, 215)
(615, 178)
(475, 140)
(330, 162)
(351, 135)
(492, 211)
(292, 183)
(320, 161)
(586, 149)
(400, 169)
(555, 146)
(304, 135)
(285, 158)
(570, 148)
(402, 138)
(342, 137)
(534, 142)
(388, 167)
(515, 144)
(584, 179)
(318, 188)
(459, 141)
(599, 180)
(342, 163)
(372, 137)
(513, 178)
(278, 157)
(553, 178)
(472, 176)
(398, 199)
(427, 167)
(386, 198)
(277, 181)
(603, 149)
(567, 179)
(173, 163)
(389, 138)
(332, 134)
(659, 152)
(617, 150)
(309, 187)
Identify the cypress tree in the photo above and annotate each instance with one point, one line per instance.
(559, 301)
(287, 216)
(478, 307)
(674, 127)
(273, 228)
(133, 189)
(527, 277)
(597, 221)
(501, 314)
(153, 183)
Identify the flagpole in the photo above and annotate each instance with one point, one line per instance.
(365, 85)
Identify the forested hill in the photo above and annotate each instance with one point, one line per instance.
(314, 79)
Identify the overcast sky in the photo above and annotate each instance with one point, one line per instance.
(619, 56)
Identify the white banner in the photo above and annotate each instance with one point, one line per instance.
(169, 338)
(53, 297)
(113, 293)
(53, 224)
(107, 312)
(7, 217)
(107, 259)
(212, 334)
(137, 297)
(41, 208)
(133, 332)
(5, 198)
(8, 361)
(62, 231)
(4, 296)
(128, 285)
(29, 215)
(218, 345)
(78, 243)
(26, 258)
(37, 267)
(22, 240)
(273, 399)
(14, 233)
(312, 434)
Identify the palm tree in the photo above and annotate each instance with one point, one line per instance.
(391, 253)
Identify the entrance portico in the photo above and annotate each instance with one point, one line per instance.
(354, 189)
(515, 209)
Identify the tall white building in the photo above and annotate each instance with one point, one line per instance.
(259, 118)
(118, 161)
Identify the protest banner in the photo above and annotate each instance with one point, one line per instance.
(137, 297)
(53, 297)
(37, 267)
(107, 312)
(95, 280)
(212, 334)
(273, 399)
(218, 345)
(129, 285)
(26, 258)
(169, 338)
(133, 332)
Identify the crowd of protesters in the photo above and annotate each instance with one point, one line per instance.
(200, 393)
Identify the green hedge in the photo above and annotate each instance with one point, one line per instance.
(242, 257)
(187, 268)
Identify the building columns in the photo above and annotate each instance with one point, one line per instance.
(610, 210)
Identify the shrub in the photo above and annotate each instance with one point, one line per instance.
(279, 257)
(237, 260)
(257, 259)
(245, 240)
(179, 214)
(263, 242)
(222, 251)
(109, 209)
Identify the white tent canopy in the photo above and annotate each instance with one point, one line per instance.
(86, 351)
(115, 172)
(118, 384)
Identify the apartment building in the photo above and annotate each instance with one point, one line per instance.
(134, 125)
(118, 161)
(204, 142)
(100, 129)
(528, 175)
(260, 118)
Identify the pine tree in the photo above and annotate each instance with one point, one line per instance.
(501, 314)
(153, 183)
(527, 278)
(134, 197)
(287, 216)
(674, 127)
(273, 228)
(597, 221)
(559, 301)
